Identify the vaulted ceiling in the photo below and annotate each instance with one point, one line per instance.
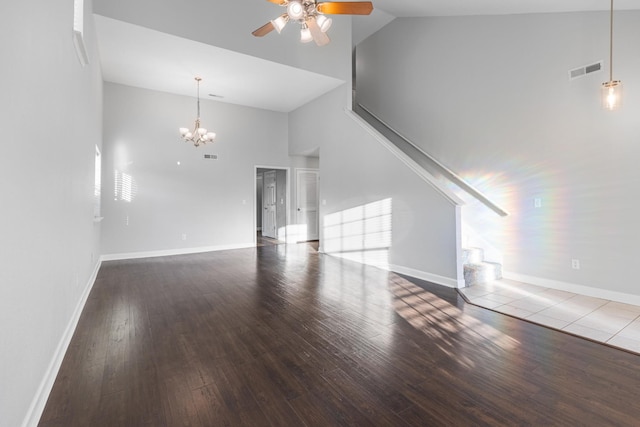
(135, 55)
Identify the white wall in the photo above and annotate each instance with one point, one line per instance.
(212, 202)
(490, 98)
(357, 170)
(50, 114)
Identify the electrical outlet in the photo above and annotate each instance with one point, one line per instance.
(575, 264)
(184, 236)
(537, 202)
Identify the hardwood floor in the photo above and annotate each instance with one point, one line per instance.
(282, 336)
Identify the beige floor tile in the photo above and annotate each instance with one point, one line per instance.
(547, 321)
(561, 312)
(626, 343)
(587, 332)
(603, 322)
(631, 331)
(486, 303)
(593, 318)
(533, 305)
(514, 311)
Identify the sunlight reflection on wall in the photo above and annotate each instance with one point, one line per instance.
(124, 187)
(361, 234)
(481, 226)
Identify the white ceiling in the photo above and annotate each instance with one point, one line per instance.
(140, 57)
(136, 56)
(407, 8)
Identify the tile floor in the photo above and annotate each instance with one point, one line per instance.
(609, 322)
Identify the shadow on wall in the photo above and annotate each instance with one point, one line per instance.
(361, 234)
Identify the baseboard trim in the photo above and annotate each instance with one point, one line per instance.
(423, 275)
(40, 400)
(170, 252)
(574, 288)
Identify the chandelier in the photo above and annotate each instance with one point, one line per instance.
(310, 14)
(199, 135)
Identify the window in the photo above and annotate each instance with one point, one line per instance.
(97, 189)
(78, 31)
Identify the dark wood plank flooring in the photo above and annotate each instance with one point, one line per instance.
(282, 336)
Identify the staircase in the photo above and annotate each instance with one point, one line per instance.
(476, 269)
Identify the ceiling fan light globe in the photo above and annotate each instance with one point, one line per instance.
(324, 23)
(280, 22)
(305, 35)
(295, 10)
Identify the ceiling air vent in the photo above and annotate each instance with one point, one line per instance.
(584, 70)
(211, 156)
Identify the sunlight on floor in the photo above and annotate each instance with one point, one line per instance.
(443, 322)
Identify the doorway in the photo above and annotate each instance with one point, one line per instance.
(271, 204)
(307, 200)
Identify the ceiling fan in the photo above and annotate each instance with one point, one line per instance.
(310, 14)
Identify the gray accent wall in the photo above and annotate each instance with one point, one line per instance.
(51, 118)
(490, 97)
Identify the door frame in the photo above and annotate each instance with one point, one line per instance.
(255, 201)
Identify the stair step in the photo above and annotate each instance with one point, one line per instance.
(472, 255)
(482, 272)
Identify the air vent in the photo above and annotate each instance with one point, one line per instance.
(576, 73)
(211, 156)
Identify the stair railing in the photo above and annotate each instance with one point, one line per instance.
(445, 171)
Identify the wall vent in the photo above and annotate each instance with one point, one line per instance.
(211, 156)
(576, 73)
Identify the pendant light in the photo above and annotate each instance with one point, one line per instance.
(611, 90)
(199, 135)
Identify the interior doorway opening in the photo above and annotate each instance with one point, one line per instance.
(272, 204)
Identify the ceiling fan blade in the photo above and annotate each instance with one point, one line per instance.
(264, 30)
(280, 2)
(319, 37)
(346, 8)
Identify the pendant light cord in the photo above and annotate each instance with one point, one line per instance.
(611, 44)
(198, 80)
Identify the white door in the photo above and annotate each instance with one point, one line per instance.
(269, 205)
(307, 189)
